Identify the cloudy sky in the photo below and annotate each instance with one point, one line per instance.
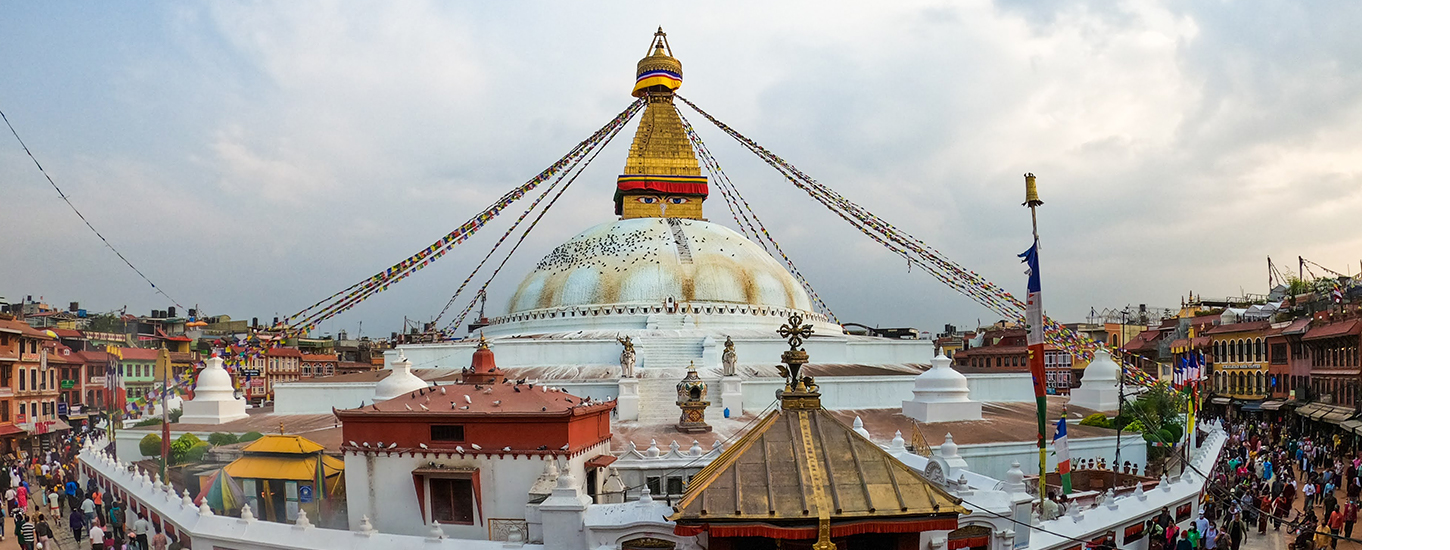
(254, 158)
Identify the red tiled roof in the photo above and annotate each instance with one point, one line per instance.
(284, 352)
(91, 356)
(488, 399)
(1332, 330)
(13, 327)
(1239, 327)
(62, 355)
(138, 354)
(319, 358)
(68, 333)
(1299, 326)
(1144, 340)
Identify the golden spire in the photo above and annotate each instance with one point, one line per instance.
(661, 176)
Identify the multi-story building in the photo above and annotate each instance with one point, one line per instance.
(315, 365)
(92, 381)
(67, 367)
(30, 402)
(1332, 345)
(1240, 358)
(12, 341)
(137, 370)
(1006, 350)
(283, 365)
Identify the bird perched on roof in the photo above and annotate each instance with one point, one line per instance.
(488, 390)
(543, 447)
(496, 402)
(459, 449)
(394, 444)
(467, 399)
(565, 447)
(380, 444)
(452, 405)
(365, 444)
(507, 449)
(423, 445)
(443, 389)
(422, 406)
(407, 406)
(516, 389)
(353, 443)
(476, 447)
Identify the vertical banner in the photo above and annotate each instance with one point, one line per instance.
(1036, 360)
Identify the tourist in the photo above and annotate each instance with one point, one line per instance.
(1050, 509)
(54, 498)
(1211, 537)
(1184, 543)
(77, 523)
(88, 507)
(43, 534)
(1310, 489)
(1336, 522)
(97, 536)
(1322, 536)
(1350, 514)
(1194, 537)
(1236, 531)
(25, 528)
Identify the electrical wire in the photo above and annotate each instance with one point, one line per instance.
(73, 208)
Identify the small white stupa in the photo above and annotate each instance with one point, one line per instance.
(215, 401)
(942, 395)
(401, 381)
(1099, 390)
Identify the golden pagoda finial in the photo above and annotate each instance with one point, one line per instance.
(1032, 199)
(661, 177)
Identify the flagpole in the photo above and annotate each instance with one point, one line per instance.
(1035, 346)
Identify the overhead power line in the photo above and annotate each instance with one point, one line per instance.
(82, 216)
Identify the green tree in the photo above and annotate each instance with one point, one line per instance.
(150, 445)
(174, 415)
(1157, 407)
(250, 436)
(222, 438)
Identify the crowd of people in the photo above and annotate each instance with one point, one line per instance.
(44, 496)
(1263, 471)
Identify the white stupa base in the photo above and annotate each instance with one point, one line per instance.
(942, 412)
(1097, 399)
(731, 396)
(212, 412)
(628, 404)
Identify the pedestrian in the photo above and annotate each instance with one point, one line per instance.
(1210, 537)
(97, 536)
(88, 507)
(54, 498)
(1322, 536)
(1236, 530)
(1265, 507)
(1184, 543)
(1336, 522)
(43, 534)
(26, 529)
(77, 524)
(1350, 515)
(1194, 537)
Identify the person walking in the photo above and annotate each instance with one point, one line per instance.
(88, 507)
(1350, 515)
(97, 536)
(1336, 522)
(1322, 536)
(43, 534)
(77, 524)
(1236, 531)
(1210, 537)
(26, 529)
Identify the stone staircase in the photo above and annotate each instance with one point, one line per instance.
(670, 353)
(657, 401)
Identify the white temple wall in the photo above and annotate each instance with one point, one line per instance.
(320, 398)
(381, 487)
(1007, 387)
(994, 459)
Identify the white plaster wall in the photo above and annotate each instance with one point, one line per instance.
(994, 459)
(319, 398)
(1007, 387)
(381, 486)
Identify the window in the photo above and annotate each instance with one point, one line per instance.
(452, 500)
(653, 483)
(1279, 354)
(447, 432)
(676, 485)
(32, 411)
(4, 411)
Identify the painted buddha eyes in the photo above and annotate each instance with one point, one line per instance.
(650, 199)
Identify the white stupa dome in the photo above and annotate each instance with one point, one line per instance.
(1102, 368)
(654, 260)
(213, 383)
(941, 394)
(401, 381)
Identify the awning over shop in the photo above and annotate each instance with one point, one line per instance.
(9, 430)
(1352, 426)
(1220, 400)
(1310, 409)
(1271, 405)
(1337, 414)
(1252, 406)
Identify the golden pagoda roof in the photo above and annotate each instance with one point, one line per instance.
(799, 459)
(283, 444)
(300, 468)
